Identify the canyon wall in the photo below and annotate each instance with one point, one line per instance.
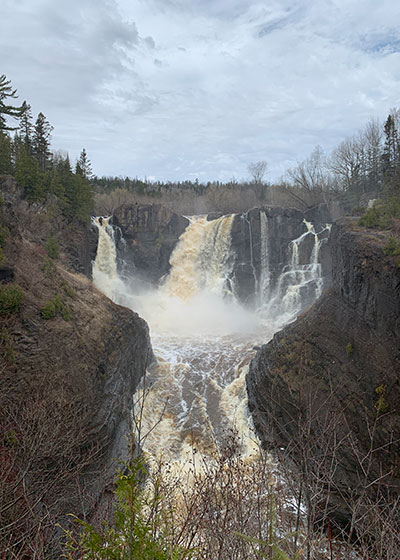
(70, 362)
(329, 382)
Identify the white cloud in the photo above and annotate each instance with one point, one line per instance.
(176, 88)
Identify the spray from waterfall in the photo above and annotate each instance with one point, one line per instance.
(202, 336)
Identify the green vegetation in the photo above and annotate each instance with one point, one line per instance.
(48, 267)
(141, 528)
(55, 307)
(52, 248)
(41, 174)
(381, 215)
(68, 290)
(392, 247)
(10, 299)
(381, 404)
(349, 349)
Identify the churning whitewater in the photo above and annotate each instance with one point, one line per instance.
(202, 336)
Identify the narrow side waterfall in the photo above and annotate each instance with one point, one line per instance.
(202, 336)
(265, 275)
(300, 283)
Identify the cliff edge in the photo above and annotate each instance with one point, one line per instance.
(70, 362)
(325, 392)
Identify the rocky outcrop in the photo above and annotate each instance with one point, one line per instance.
(39, 221)
(282, 226)
(70, 363)
(149, 233)
(328, 386)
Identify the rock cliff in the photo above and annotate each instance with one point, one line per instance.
(149, 233)
(325, 391)
(282, 225)
(70, 362)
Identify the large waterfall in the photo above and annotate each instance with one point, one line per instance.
(202, 336)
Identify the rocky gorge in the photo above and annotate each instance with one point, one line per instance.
(325, 391)
(72, 359)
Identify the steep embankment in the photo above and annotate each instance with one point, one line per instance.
(70, 362)
(326, 390)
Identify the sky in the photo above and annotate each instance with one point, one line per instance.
(186, 89)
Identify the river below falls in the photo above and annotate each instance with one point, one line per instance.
(194, 397)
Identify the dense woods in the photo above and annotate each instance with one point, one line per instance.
(27, 155)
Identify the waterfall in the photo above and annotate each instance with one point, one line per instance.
(251, 251)
(202, 336)
(298, 284)
(200, 261)
(265, 275)
(105, 265)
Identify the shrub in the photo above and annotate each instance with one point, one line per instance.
(52, 248)
(48, 267)
(381, 215)
(10, 299)
(140, 530)
(349, 349)
(48, 311)
(392, 247)
(56, 307)
(381, 404)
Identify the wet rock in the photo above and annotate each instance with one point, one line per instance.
(283, 225)
(336, 362)
(149, 234)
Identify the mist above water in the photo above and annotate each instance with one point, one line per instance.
(202, 336)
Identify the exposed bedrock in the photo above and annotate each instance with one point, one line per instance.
(150, 233)
(334, 375)
(147, 234)
(67, 377)
(280, 226)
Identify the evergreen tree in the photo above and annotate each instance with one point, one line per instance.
(391, 149)
(26, 126)
(83, 166)
(6, 91)
(41, 141)
(28, 176)
(5, 154)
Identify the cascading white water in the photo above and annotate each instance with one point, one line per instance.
(203, 338)
(265, 275)
(298, 283)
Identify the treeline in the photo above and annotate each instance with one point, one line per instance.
(27, 155)
(364, 166)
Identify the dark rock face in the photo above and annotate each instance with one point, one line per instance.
(66, 383)
(283, 225)
(340, 360)
(81, 247)
(150, 233)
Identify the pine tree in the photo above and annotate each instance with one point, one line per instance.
(6, 91)
(28, 174)
(391, 149)
(83, 166)
(41, 141)
(26, 126)
(5, 154)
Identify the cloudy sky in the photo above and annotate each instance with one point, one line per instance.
(174, 89)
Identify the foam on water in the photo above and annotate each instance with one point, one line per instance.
(203, 338)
